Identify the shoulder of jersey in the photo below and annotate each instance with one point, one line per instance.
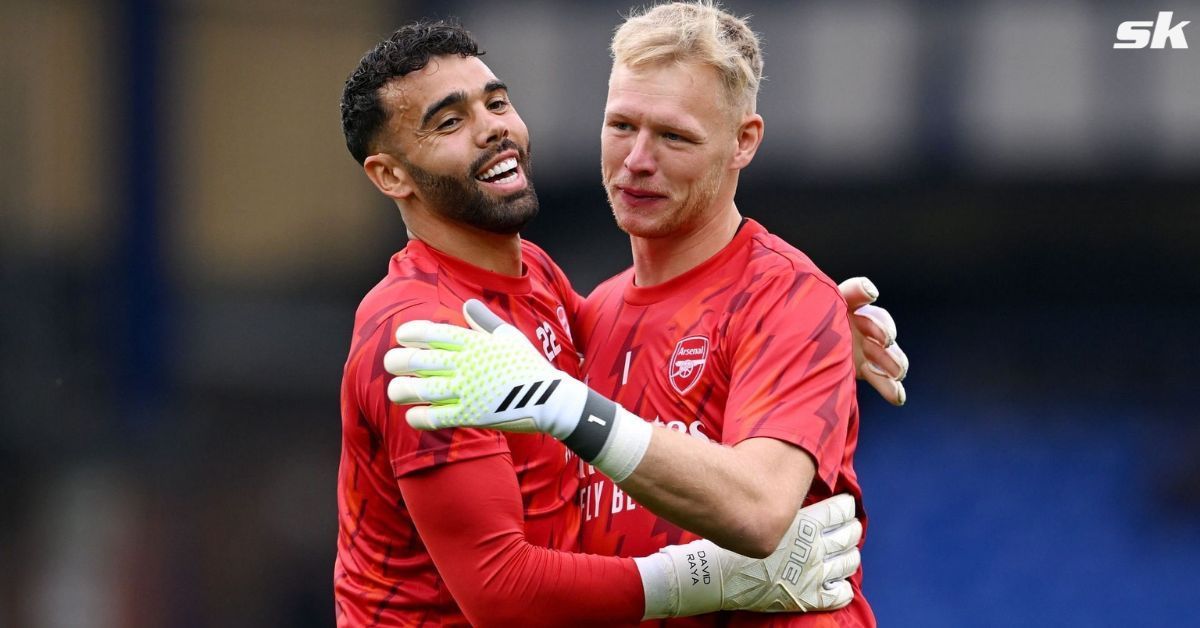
(537, 258)
(409, 284)
(772, 254)
(529, 248)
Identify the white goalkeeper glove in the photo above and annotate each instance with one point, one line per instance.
(878, 360)
(491, 376)
(807, 572)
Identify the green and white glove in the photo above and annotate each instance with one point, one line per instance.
(492, 376)
(807, 572)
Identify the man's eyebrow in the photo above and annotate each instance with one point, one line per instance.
(672, 125)
(451, 99)
(457, 97)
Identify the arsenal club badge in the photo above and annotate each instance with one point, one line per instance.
(687, 363)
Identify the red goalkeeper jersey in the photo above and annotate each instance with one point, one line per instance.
(754, 342)
(420, 513)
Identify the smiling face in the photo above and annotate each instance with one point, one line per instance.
(667, 148)
(461, 144)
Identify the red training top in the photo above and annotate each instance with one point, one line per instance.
(449, 526)
(754, 342)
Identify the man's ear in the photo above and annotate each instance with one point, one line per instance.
(386, 172)
(749, 137)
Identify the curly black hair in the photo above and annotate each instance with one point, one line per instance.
(406, 50)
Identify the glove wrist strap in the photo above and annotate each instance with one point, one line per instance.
(681, 580)
(625, 447)
(696, 568)
(609, 437)
(659, 584)
(596, 423)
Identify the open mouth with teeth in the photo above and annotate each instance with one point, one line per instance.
(503, 172)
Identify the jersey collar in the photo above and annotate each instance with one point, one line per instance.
(474, 275)
(698, 275)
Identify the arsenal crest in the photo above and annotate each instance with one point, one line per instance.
(687, 363)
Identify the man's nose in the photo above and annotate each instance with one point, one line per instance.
(640, 159)
(493, 129)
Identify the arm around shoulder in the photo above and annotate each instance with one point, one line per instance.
(469, 516)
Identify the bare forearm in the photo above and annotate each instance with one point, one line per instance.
(741, 498)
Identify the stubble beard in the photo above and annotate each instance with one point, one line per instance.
(461, 199)
(672, 221)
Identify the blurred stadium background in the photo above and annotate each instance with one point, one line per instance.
(184, 239)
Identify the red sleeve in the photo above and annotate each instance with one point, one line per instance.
(469, 517)
(410, 450)
(792, 368)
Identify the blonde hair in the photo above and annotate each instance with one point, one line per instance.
(695, 32)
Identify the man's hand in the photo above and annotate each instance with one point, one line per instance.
(878, 360)
(807, 572)
(486, 376)
(491, 376)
